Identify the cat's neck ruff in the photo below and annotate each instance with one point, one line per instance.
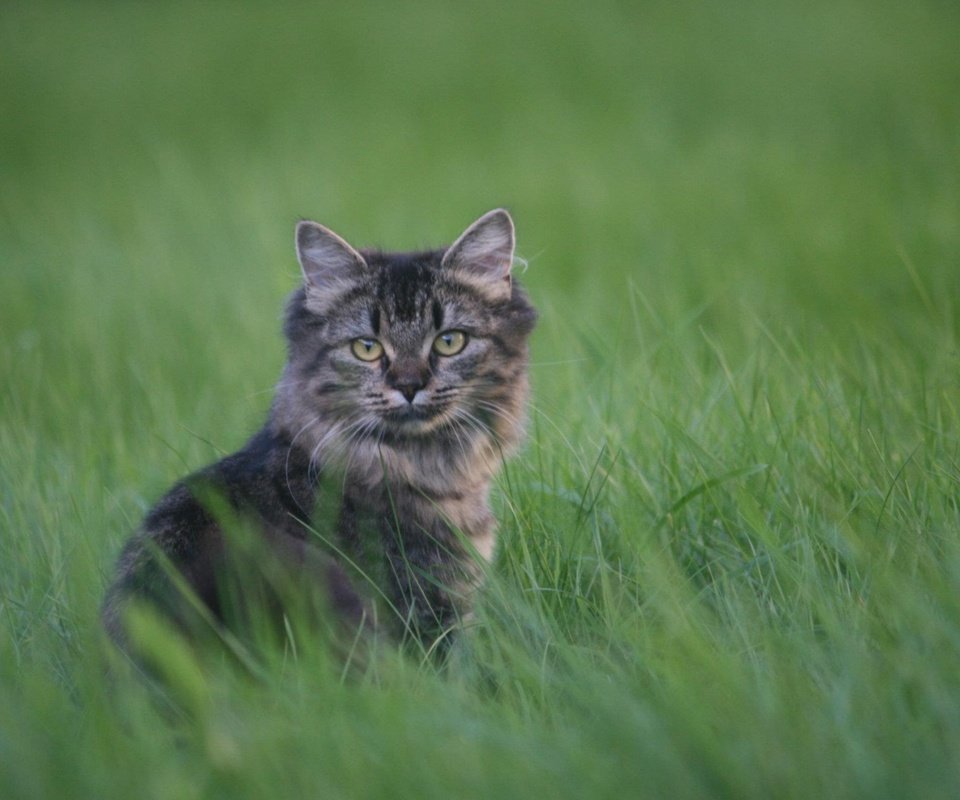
(438, 465)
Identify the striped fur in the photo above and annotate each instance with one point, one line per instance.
(409, 442)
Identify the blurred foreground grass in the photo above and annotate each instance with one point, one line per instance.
(730, 562)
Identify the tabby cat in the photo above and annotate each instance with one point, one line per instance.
(405, 385)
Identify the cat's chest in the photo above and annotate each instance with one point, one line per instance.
(407, 511)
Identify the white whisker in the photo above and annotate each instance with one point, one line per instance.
(293, 441)
(456, 428)
(335, 442)
(499, 411)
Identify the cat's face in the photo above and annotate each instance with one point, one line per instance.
(398, 346)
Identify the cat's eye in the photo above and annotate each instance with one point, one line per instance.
(449, 343)
(366, 349)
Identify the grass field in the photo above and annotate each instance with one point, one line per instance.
(730, 553)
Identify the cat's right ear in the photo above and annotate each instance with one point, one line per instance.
(327, 261)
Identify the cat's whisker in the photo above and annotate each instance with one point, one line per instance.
(338, 439)
(356, 437)
(353, 434)
(499, 411)
(457, 428)
(293, 441)
(300, 432)
(329, 445)
(482, 431)
(472, 421)
(501, 416)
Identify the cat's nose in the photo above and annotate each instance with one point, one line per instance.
(407, 380)
(408, 390)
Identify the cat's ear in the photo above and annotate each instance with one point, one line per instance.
(326, 260)
(483, 254)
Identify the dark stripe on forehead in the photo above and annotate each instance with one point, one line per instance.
(375, 319)
(405, 288)
(437, 315)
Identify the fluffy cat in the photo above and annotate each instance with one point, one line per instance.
(405, 386)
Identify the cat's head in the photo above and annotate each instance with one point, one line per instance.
(404, 346)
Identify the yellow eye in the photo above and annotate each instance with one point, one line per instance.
(449, 343)
(366, 349)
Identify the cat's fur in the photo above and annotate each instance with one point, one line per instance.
(396, 455)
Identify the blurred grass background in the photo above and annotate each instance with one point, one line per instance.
(729, 563)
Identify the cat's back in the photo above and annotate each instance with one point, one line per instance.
(185, 532)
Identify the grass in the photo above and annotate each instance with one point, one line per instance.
(730, 553)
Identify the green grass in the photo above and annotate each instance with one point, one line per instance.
(730, 554)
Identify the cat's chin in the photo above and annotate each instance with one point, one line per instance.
(413, 420)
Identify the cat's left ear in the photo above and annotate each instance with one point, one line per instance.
(483, 254)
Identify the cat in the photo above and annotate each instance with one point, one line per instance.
(405, 387)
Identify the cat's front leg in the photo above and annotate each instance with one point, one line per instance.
(433, 580)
